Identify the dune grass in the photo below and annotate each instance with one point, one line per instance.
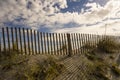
(17, 67)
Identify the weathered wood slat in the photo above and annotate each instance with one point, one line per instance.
(76, 46)
(51, 43)
(72, 40)
(54, 43)
(12, 35)
(4, 42)
(82, 37)
(78, 43)
(38, 35)
(60, 43)
(57, 44)
(63, 43)
(66, 47)
(42, 42)
(0, 45)
(20, 37)
(35, 42)
(16, 36)
(8, 38)
(52, 34)
(28, 39)
(31, 34)
(48, 46)
(24, 40)
(69, 45)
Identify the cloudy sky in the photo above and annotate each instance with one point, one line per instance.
(80, 16)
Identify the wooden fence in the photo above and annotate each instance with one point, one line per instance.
(28, 41)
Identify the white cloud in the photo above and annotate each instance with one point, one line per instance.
(33, 11)
(95, 14)
(45, 12)
(98, 14)
(108, 16)
(111, 29)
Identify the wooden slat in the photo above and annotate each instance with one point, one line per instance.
(97, 40)
(20, 37)
(38, 35)
(60, 43)
(57, 51)
(45, 42)
(0, 44)
(47, 35)
(8, 38)
(89, 41)
(90, 38)
(24, 40)
(80, 41)
(4, 42)
(51, 43)
(31, 34)
(42, 42)
(35, 42)
(86, 42)
(72, 38)
(94, 39)
(12, 34)
(84, 36)
(16, 36)
(65, 43)
(73, 44)
(77, 44)
(54, 43)
(28, 41)
(69, 45)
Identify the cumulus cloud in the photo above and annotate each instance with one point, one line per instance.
(47, 13)
(95, 14)
(32, 10)
(97, 18)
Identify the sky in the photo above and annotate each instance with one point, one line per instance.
(62, 16)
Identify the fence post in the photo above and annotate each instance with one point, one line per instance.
(69, 45)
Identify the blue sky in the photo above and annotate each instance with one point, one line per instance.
(78, 16)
